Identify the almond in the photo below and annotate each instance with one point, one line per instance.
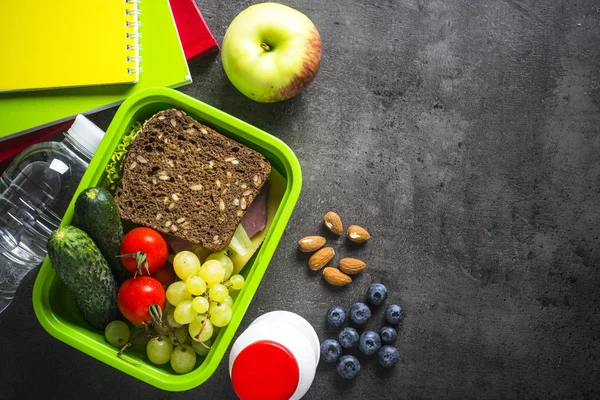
(309, 244)
(357, 234)
(351, 265)
(320, 258)
(333, 222)
(336, 277)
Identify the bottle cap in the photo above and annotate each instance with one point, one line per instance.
(265, 370)
(86, 133)
(300, 324)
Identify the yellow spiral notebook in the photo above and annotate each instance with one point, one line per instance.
(68, 43)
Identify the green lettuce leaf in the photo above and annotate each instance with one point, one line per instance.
(113, 170)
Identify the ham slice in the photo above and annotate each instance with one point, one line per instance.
(256, 217)
(177, 244)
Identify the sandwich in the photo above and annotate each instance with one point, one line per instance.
(185, 179)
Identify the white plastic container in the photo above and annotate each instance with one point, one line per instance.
(275, 358)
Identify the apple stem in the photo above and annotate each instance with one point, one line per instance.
(265, 46)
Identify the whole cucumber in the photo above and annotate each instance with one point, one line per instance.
(81, 266)
(97, 215)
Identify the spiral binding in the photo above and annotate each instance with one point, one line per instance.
(133, 70)
(135, 47)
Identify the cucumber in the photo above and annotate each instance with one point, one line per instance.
(97, 214)
(81, 266)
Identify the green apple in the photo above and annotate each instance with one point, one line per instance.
(271, 52)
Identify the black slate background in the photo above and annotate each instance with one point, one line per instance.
(464, 136)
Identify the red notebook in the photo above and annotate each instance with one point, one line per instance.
(197, 42)
(196, 38)
(11, 147)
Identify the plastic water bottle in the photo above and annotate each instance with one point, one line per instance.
(35, 191)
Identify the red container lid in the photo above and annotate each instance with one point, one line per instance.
(265, 370)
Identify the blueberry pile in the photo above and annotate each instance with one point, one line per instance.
(368, 342)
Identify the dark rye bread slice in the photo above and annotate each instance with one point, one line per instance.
(183, 178)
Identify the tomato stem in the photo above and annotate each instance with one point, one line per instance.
(156, 314)
(140, 260)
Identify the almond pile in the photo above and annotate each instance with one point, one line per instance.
(323, 255)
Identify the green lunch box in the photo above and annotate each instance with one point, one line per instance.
(55, 308)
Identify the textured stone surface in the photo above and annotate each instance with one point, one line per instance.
(464, 136)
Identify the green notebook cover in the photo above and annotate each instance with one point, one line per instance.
(163, 64)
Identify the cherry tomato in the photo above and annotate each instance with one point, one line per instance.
(137, 295)
(165, 275)
(143, 251)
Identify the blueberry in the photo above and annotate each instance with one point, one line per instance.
(388, 356)
(348, 367)
(388, 335)
(336, 316)
(348, 337)
(369, 342)
(377, 293)
(394, 314)
(331, 351)
(360, 313)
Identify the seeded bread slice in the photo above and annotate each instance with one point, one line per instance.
(183, 178)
